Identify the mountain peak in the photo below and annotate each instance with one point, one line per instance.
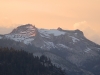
(28, 25)
(24, 33)
(60, 29)
(79, 32)
(27, 28)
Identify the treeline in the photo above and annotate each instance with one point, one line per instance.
(19, 62)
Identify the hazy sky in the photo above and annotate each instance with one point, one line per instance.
(67, 14)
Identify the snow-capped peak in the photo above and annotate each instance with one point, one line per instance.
(24, 29)
(29, 34)
(24, 33)
(27, 30)
(46, 33)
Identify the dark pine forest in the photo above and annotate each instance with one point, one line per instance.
(19, 62)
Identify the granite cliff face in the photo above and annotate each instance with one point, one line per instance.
(66, 48)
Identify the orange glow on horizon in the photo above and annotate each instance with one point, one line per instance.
(51, 14)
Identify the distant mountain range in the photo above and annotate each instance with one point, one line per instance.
(68, 49)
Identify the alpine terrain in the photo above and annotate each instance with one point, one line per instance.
(68, 49)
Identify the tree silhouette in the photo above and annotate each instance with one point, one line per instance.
(19, 62)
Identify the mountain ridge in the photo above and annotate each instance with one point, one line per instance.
(69, 46)
(28, 31)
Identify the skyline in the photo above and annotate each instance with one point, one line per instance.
(50, 14)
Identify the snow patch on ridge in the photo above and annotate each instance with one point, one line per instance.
(74, 39)
(63, 46)
(87, 50)
(46, 33)
(0, 37)
(49, 45)
(28, 41)
(20, 38)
